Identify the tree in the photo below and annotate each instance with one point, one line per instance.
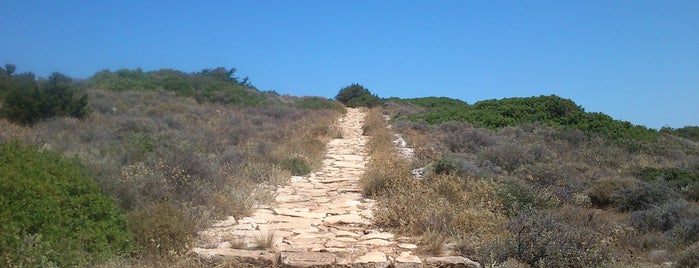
(28, 102)
(10, 69)
(356, 95)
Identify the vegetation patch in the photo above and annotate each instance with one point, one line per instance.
(318, 103)
(356, 95)
(53, 212)
(27, 101)
(550, 110)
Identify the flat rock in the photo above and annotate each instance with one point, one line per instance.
(379, 235)
(345, 219)
(451, 261)
(306, 259)
(299, 213)
(375, 242)
(255, 257)
(372, 260)
(407, 246)
(407, 260)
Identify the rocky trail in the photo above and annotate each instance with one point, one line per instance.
(320, 220)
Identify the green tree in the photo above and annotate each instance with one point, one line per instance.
(27, 101)
(356, 95)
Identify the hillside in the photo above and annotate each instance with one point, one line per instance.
(518, 182)
(509, 172)
(172, 161)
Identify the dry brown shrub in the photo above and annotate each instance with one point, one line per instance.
(602, 190)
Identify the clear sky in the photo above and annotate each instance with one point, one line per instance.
(634, 60)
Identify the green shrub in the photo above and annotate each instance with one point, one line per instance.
(297, 165)
(218, 85)
(51, 207)
(27, 102)
(688, 132)
(356, 95)
(550, 110)
(517, 197)
(675, 175)
(161, 230)
(447, 166)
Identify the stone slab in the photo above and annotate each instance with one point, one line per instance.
(306, 259)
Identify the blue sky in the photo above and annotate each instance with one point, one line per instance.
(634, 60)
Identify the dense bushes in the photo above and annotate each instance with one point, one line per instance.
(688, 132)
(27, 101)
(219, 85)
(356, 95)
(550, 110)
(53, 212)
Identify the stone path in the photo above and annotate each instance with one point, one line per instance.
(320, 220)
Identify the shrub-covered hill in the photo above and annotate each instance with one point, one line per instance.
(549, 110)
(537, 182)
(219, 85)
(172, 151)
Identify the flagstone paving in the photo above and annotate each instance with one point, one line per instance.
(320, 220)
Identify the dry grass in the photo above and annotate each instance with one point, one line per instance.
(441, 209)
(265, 241)
(237, 242)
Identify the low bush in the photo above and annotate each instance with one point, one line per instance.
(517, 197)
(689, 257)
(296, 165)
(52, 210)
(641, 195)
(403, 207)
(685, 232)
(538, 240)
(675, 176)
(602, 189)
(447, 166)
(663, 217)
(508, 156)
(161, 230)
